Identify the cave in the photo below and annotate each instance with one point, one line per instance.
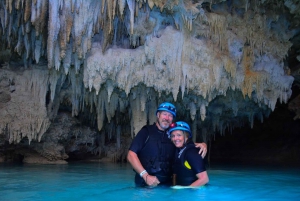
(79, 79)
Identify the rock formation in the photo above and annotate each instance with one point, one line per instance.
(109, 63)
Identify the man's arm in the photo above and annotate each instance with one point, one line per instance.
(137, 166)
(135, 161)
(203, 148)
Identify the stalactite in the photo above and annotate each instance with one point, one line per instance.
(109, 88)
(150, 3)
(122, 4)
(19, 45)
(217, 27)
(63, 32)
(76, 62)
(103, 6)
(53, 29)
(131, 6)
(113, 105)
(43, 14)
(38, 49)
(250, 77)
(214, 52)
(229, 66)
(123, 103)
(251, 119)
(27, 46)
(139, 117)
(143, 99)
(111, 130)
(53, 81)
(110, 13)
(57, 53)
(151, 105)
(118, 136)
(34, 12)
(194, 130)
(202, 112)
(32, 121)
(2, 16)
(67, 59)
(193, 110)
(69, 24)
(27, 10)
(100, 109)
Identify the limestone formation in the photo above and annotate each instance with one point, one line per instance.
(110, 63)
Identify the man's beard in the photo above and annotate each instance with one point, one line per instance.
(164, 124)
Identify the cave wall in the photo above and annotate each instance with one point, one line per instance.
(108, 64)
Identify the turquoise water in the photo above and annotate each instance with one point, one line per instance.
(102, 181)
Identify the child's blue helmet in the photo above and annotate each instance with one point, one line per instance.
(180, 125)
(166, 106)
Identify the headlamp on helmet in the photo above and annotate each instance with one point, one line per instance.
(180, 125)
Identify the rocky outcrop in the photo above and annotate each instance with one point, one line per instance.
(106, 65)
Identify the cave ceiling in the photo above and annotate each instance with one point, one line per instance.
(224, 64)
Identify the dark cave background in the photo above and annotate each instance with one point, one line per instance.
(275, 141)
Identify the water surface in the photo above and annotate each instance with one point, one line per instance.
(109, 181)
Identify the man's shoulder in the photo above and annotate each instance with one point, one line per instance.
(150, 131)
(149, 127)
(145, 130)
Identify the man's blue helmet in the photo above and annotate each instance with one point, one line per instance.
(166, 106)
(180, 125)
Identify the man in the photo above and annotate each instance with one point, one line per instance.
(151, 153)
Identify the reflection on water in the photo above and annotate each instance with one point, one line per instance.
(102, 181)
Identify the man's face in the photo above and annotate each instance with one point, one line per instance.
(164, 119)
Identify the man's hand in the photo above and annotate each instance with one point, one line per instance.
(150, 180)
(203, 148)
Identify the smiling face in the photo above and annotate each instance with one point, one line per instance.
(178, 137)
(164, 119)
